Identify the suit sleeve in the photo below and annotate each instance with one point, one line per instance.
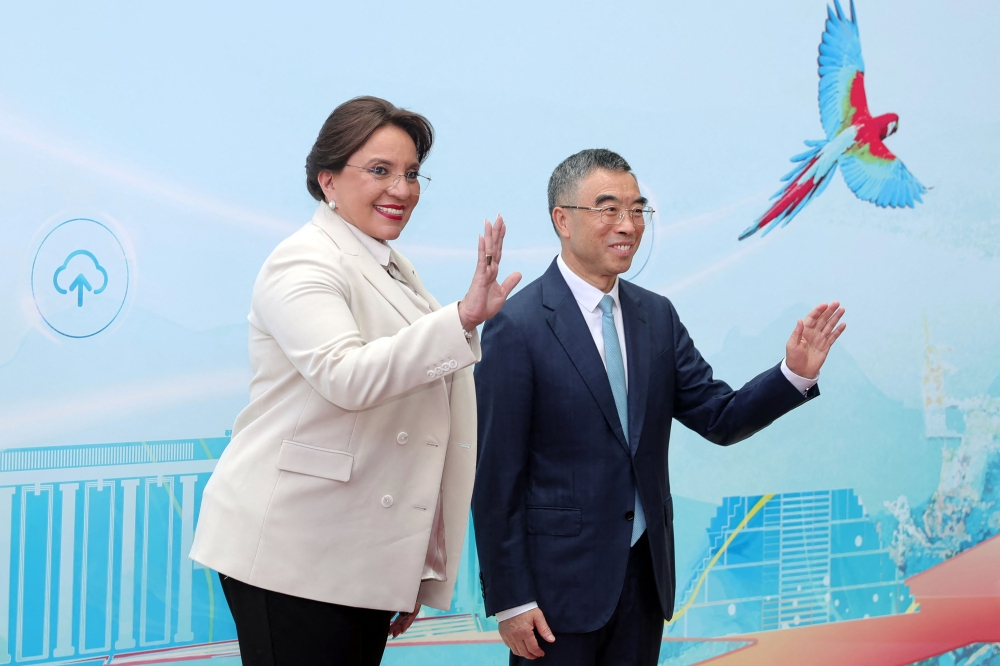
(304, 302)
(504, 388)
(711, 408)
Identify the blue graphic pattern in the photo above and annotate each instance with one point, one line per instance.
(95, 541)
(93, 550)
(803, 558)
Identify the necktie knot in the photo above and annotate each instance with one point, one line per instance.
(606, 304)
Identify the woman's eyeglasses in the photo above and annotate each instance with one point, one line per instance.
(414, 179)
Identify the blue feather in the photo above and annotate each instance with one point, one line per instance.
(802, 157)
(900, 197)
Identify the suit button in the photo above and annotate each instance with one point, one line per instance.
(453, 364)
(387, 501)
(629, 515)
(430, 373)
(402, 438)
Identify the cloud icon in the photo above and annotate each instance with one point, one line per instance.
(80, 282)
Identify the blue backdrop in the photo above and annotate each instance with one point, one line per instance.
(152, 156)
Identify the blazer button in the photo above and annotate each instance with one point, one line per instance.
(453, 364)
(387, 501)
(430, 373)
(402, 438)
(629, 515)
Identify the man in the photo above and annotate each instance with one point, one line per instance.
(580, 378)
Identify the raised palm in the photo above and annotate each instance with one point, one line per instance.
(486, 296)
(812, 338)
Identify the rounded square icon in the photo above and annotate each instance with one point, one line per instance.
(80, 278)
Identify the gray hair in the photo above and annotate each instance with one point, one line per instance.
(567, 176)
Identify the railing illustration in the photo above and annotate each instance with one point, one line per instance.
(93, 555)
(93, 550)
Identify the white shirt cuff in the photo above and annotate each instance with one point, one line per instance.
(800, 383)
(517, 610)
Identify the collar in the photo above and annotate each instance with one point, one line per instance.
(378, 249)
(586, 294)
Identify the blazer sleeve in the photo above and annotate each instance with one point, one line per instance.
(504, 388)
(303, 300)
(711, 408)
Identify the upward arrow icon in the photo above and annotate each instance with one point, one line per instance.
(79, 284)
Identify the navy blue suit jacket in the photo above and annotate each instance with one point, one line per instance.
(555, 479)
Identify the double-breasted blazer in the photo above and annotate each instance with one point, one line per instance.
(362, 414)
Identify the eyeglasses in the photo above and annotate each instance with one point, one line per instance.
(640, 216)
(414, 179)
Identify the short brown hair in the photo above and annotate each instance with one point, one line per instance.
(348, 128)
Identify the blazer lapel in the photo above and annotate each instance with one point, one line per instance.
(410, 273)
(337, 230)
(570, 328)
(388, 287)
(637, 345)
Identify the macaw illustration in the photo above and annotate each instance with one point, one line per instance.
(854, 139)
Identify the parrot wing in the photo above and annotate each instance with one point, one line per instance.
(841, 71)
(874, 174)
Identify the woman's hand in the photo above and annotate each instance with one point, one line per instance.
(486, 296)
(402, 622)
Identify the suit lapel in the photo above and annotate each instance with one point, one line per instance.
(334, 227)
(637, 345)
(570, 329)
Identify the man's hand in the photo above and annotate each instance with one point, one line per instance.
(402, 622)
(812, 338)
(518, 633)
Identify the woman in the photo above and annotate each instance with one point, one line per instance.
(344, 494)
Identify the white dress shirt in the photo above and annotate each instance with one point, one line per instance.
(587, 297)
(378, 249)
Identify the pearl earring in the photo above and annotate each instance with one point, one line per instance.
(332, 204)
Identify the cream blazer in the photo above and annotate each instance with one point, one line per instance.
(328, 488)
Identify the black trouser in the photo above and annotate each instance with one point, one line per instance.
(276, 629)
(632, 636)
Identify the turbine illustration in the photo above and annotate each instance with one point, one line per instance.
(854, 139)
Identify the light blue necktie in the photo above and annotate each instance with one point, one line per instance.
(616, 375)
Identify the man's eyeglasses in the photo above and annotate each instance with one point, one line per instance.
(640, 215)
(414, 179)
